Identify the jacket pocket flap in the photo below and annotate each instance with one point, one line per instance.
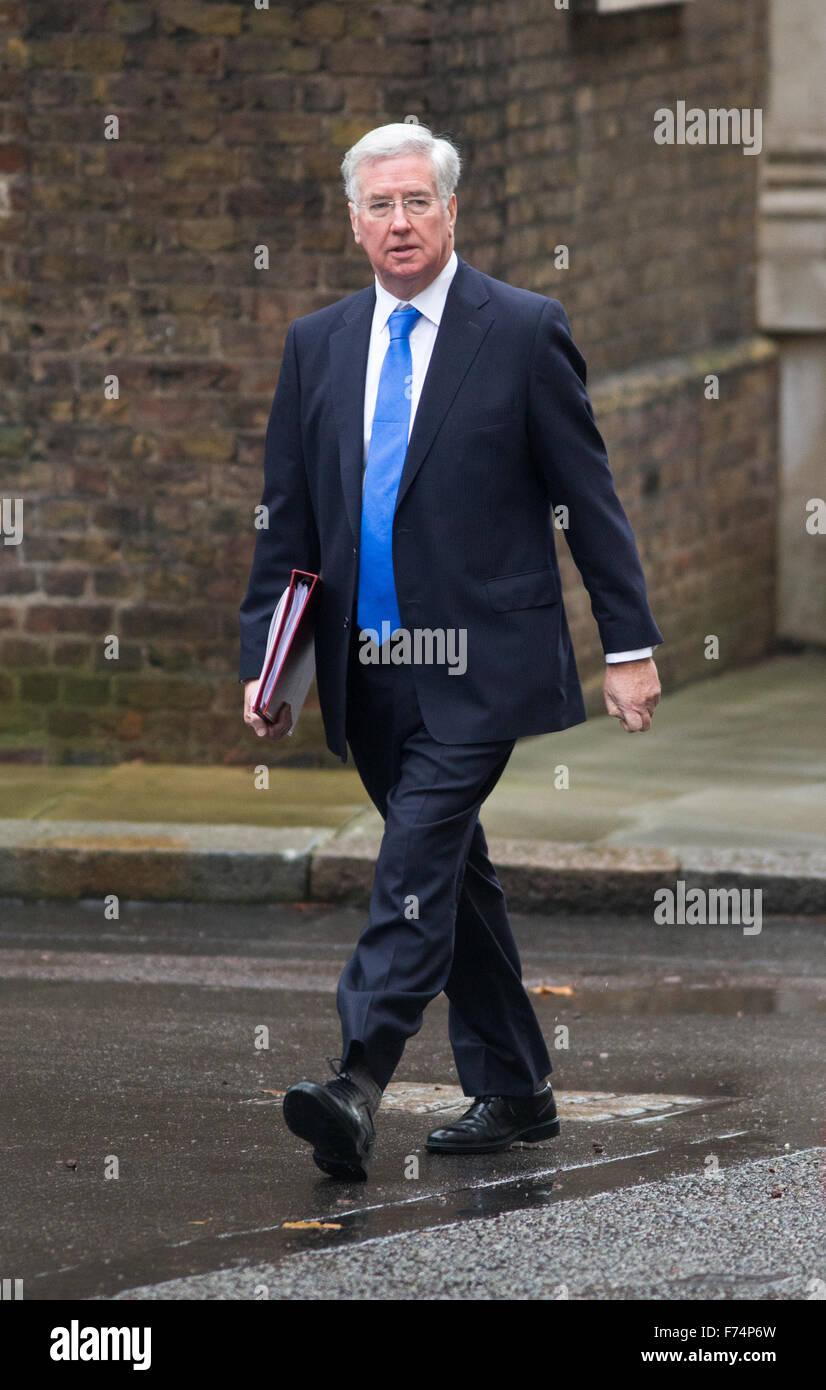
(527, 590)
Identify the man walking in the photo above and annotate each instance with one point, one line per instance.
(422, 431)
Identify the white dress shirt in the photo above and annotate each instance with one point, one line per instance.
(430, 302)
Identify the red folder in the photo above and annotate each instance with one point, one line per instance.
(289, 662)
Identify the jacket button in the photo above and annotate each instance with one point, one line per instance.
(355, 552)
(346, 622)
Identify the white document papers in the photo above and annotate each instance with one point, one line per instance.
(289, 662)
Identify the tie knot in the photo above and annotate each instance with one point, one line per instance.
(401, 322)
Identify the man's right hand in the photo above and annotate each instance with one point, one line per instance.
(283, 721)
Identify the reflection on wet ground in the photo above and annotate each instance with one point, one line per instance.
(140, 1043)
(712, 997)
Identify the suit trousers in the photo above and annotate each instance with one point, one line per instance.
(437, 918)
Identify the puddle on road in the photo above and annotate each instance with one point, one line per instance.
(537, 1188)
(664, 997)
(357, 1212)
(468, 1201)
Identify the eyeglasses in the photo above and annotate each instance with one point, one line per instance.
(383, 207)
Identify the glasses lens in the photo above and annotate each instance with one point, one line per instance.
(383, 207)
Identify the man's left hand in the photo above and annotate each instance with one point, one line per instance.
(632, 692)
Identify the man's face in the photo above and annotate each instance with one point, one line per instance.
(405, 251)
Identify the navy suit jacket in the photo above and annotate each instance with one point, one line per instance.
(503, 433)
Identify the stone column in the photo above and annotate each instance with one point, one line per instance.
(792, 298)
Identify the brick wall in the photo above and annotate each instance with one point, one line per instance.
(134, 257)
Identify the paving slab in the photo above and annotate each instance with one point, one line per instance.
(155, 861)
(737, 761)
(139, 791)
(797, 880)
(727, 791)
(233, 863)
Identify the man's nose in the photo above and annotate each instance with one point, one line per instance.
(400, 218)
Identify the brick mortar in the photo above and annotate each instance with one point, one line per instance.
(132, 256)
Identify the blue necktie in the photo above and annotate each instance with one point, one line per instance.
(385, 461)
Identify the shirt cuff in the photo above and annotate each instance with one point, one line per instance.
(612, 657)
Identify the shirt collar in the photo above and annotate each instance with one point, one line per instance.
(430, 302)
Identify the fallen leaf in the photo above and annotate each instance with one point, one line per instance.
(311, 1225)
(567, 990)
(265, 1092)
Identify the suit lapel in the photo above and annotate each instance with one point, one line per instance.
(465, 321)
(349, 346)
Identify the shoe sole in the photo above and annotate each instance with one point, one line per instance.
(314, 1116)
(549, 1129)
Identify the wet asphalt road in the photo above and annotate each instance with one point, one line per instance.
(129, 1046)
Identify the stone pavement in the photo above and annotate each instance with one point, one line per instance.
(727, 790)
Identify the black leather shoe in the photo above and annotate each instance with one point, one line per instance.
(336, 1119)
(493, 1123)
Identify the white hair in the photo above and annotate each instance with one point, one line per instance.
(403, 137)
